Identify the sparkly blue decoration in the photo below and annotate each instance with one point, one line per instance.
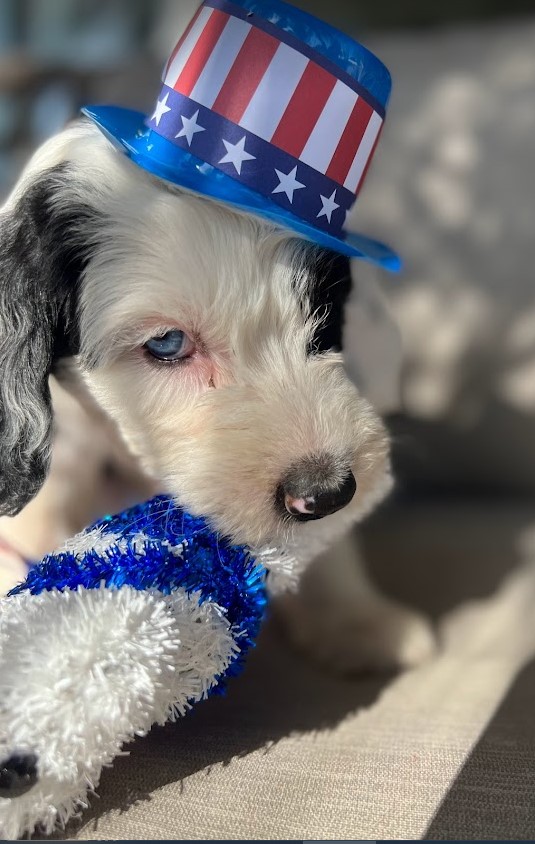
(157, 545)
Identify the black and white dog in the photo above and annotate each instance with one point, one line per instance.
(212, 339)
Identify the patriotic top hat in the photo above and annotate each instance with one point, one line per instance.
(270, 110)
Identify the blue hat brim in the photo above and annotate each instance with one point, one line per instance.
(126, 129)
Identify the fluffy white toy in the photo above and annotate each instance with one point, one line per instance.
(131, 623)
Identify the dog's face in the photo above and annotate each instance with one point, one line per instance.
(199, 330)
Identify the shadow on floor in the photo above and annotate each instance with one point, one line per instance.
(492, 798)
(438, 552)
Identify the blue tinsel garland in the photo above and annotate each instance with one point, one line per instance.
(147, 558)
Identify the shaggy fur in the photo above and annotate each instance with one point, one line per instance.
(97, 257)
(146, 259)
(41, 260)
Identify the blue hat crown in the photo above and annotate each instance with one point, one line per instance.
(268, 109)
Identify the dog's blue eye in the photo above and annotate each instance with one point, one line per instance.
(171, 346)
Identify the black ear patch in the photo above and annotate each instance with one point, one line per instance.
(43, 251)
(329, 289)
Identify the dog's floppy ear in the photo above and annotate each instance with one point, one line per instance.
(43, 250)
(328, 296)
(357, 321)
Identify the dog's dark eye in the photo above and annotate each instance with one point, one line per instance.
(171, 346)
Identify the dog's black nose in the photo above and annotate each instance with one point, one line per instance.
(18, 774)
(311, 491)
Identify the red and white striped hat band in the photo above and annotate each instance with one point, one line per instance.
(270, 111)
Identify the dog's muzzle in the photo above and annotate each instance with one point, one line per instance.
(309, 491)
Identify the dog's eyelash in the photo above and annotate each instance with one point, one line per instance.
(142, 335)
(158, 363)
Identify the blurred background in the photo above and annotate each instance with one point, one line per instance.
(452, 188)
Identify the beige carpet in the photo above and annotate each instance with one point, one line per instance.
(445, 751)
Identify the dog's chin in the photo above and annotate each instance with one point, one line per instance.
(286, 546)
(289, 551)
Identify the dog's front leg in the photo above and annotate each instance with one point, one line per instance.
(339, 617)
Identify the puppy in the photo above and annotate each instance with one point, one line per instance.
(212, 340)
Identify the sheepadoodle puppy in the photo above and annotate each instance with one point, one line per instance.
(213, 341)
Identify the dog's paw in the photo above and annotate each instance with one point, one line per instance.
(384, 636)
(381, 635)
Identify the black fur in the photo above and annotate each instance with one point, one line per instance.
(328, 294)
(43, 251)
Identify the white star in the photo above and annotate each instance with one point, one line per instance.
(189, 127)
(288, 183)
(328, 205)
(161, 109)
(236, 154)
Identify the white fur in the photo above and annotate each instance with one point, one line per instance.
(86, 671)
